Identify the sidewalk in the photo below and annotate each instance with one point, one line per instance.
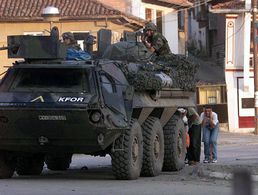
(235, 152)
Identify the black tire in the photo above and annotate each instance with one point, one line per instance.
(175, 144)
(57, 162)
(153, 147)
(30, 165)
(127, 153)
(7, 165)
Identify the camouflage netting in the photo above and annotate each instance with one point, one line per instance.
(181, 70)
(144, 80)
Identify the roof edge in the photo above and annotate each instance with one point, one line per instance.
(229, 11)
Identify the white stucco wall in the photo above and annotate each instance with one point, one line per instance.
(231, 82)
(170, 21)
(237, 53)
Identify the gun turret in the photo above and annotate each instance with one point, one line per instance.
(35, 47)
(11, 48)
(4, 48)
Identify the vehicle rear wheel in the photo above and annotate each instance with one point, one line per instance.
(57, 162)
(153, 147)
(127, 153)
(175, 144)
(7, 165)
(30, 165)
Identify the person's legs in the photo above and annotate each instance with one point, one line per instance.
(196, 142)
(211, 152)
(213, 141)
(190, 155)
(206, 140)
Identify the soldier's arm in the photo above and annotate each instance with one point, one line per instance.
(157, 43)
(149, 47)
(148, 44)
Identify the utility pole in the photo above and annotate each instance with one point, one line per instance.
(186, 30)
(254, 5)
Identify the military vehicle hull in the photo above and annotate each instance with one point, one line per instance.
(51, 108)
(51, 131)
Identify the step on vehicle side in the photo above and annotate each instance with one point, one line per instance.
(51, 108)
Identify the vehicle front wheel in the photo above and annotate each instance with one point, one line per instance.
(30, 165)
(127, 153)
(58, 162)
(7, 165)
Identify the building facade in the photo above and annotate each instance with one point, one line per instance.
(238, 64)
(206, 36)
(163, 13)
(78, 16)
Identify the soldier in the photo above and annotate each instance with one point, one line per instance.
(155, 41)
(74, 51)
(70, 41)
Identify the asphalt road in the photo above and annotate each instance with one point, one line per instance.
(93, 175)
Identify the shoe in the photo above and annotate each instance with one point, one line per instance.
(214, 161)
(205, 161)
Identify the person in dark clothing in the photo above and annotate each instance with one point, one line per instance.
(194, 150)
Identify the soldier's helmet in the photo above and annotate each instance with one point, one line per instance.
(68, 35)
(150, 26)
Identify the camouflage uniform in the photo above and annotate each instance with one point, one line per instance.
(160, 44)
(157, 41)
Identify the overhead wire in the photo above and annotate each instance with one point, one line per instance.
(174, 11)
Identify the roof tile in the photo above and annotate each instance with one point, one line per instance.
(33, 8)
(233, 4)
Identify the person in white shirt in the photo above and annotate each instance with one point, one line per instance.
(210, 125)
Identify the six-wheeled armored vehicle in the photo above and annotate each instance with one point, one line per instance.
(52, 108)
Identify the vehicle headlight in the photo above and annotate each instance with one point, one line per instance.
(95, 116)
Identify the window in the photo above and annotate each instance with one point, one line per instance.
(46, 80)
(159, 21)
(80, 36)
(108, 83)
(212, 100)
(212, 95)
(181, 22)
(116, 36)
(148, 14)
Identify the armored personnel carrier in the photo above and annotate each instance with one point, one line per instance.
(52, 108)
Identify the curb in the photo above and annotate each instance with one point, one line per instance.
(228, 176)
(201, 172)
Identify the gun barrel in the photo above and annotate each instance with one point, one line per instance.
(4, 48)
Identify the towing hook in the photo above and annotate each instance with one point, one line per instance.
(43, 140)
